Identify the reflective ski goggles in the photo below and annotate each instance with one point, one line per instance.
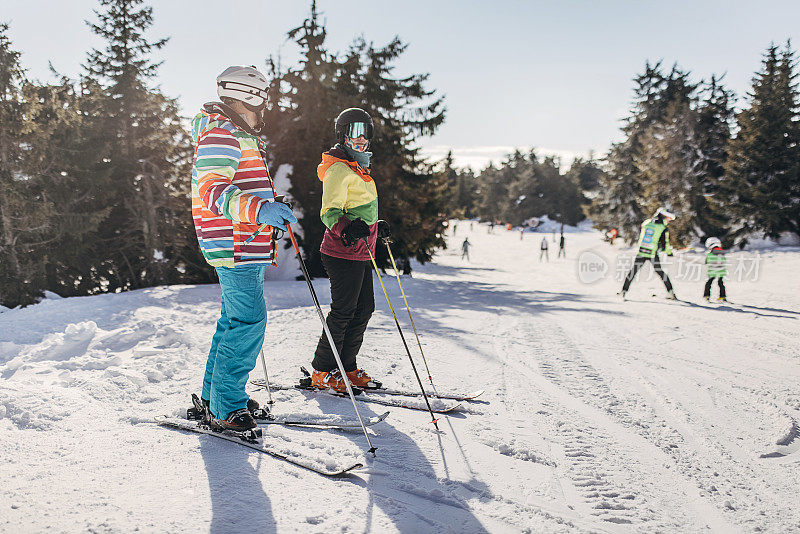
(357, 129)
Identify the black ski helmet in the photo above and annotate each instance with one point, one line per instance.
(350, 116)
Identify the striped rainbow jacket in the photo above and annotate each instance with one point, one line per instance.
(230, 183)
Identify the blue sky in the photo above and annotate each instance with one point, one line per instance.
(555, 75)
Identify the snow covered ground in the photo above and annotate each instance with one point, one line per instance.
(602, 415)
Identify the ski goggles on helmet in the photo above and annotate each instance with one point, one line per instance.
(358, 129)
(253, 98)
(256, 109)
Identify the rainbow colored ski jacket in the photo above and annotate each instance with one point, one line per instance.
(348, 193)
(230, 183)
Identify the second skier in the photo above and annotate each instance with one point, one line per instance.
(350, 214)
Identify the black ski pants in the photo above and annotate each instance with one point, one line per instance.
(710, 282)
(352, 304)
(637, 264)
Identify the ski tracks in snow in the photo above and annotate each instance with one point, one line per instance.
(607, 470)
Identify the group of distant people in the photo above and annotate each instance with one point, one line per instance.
(543, 248)
(654, 238)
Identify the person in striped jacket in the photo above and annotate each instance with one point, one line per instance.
(350, 214)
(235, 210)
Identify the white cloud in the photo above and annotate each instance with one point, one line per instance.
(478, 157)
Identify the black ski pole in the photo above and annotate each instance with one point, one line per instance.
(434, 420)
(372, 449)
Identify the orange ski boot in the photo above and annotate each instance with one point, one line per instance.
(328, 380)
(360, 379)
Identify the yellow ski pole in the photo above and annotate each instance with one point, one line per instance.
(413, 366)
(408, 309)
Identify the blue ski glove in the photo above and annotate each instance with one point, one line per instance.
(275, 214)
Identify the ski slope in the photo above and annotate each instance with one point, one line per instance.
(601, 415)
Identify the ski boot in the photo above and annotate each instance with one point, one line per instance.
(722, 299)
(328, 380)
(240, 420)
(707, 298)
(671, 295)
(201, 410)
(622, 295)
(360, 379)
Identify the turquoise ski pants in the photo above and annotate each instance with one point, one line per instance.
(238, 338)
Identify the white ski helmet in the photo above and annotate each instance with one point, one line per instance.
(713, 242)
(245, 84)
(663, 212)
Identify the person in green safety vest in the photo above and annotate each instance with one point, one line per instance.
(717, 268)
(654, 237)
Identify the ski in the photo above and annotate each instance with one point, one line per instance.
(249, 440)
(445, 396)
(321, 423)
(439, 406)
(404, 393)
(264, 417)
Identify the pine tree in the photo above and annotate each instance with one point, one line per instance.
(450, 175)
(147, 153)
(619, 203)
(492, 192)
(524, 189)
(299, 119)
(587, 174)
(650, 167)
(711, 193)
(665, 165)
(465, 193)
(764, 155)
(412, 195)
(304, 104)
(24, 214)
(63, 169)
(522, 186)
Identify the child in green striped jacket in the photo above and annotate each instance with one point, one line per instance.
(716, 264)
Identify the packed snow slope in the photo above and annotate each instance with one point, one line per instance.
(600, 415)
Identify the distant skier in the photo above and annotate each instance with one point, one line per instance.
(543, 250)
(561, 249)
(716, 267)
(455, 228)
(612, 235)
(653, 238)
(232, 198)
(465, 249)
(350, 215)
